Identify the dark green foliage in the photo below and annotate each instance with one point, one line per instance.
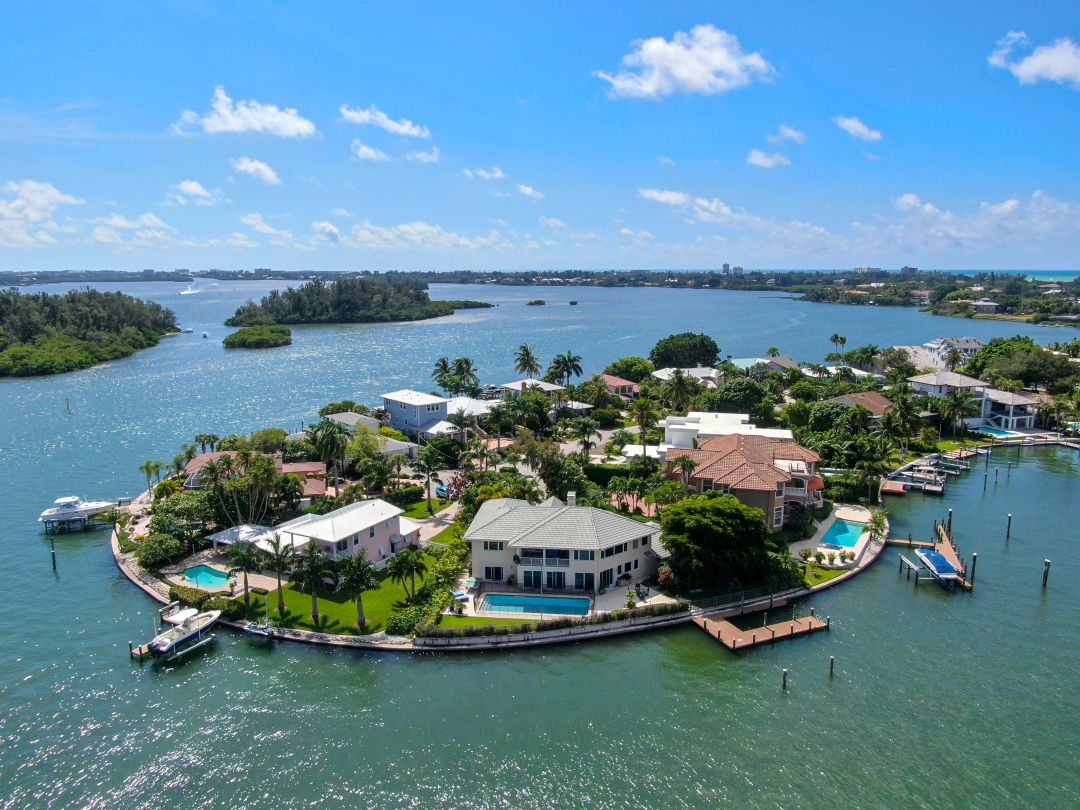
(183, 515)
(299, 450)
(741, 395)
(268, 440)
(344, 406)
(634, 369)
(646, 611)
(191, 597)
(158, 549)
(607, 417)
(52, 334)
(716, 540)
(684, 350)
(601, 474)
(444, 450)
(259, 337)
(231, 609)
(348, 300)
(1020, 359)
(405, 496)
(825, 416)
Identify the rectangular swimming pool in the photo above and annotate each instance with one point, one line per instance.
(844, 533)
(1002, 434)
(525, 603)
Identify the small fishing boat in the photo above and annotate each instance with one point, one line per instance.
(171, 641)
(257, 629)
(186, 331)
(72, 507)
(940, 569)
(180, 616)
(206, 334)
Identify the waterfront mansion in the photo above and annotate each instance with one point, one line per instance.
(560, 547)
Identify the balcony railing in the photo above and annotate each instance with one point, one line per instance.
(540, 562)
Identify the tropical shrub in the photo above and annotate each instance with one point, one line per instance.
(158, 549)
(192, 597)
(404, 496)
(231, 609)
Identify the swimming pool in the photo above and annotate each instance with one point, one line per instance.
(1003, 434)
(203, 576)
(523, 603)
(843, 533)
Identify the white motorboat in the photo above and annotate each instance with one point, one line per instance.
(180, 616)
(72, 507)
(168, 642)
(257, 629)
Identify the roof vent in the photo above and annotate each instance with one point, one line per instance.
(571, 499)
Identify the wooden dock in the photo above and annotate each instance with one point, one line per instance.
(947, 549)
(736, 639)
(906, 543)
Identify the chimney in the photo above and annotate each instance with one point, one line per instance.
(571, 499)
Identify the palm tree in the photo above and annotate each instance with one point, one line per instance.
(405, 566)
(280, 559)
(356, 575)
(686, 466)
(565, 366)
(441, 373)
(462, 421)
(465, 372)
(678, 392)
(427, 465)
(878, 525)
(497, 419)
(244, 559)
(526, 361)
(583, 429)
(147, 468)
(310, 570)
(330, 440)
(645, 415)
(288, 490)
(834, 339)
(619, 487)
(953, 358)
(956, 405)
(772, 351)
(200, 439)
(841, 342)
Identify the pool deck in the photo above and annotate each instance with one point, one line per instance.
(854, 514)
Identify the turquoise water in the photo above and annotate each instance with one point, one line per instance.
(664, 719)
(992, 431)
(514, 603)
(844, 533)
(203, 576)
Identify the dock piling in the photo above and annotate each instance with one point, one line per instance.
(783, 684)
(1046, 572)
(1008, 527)
(828, 622)
(974, 561)
(52, 550)
(996, 471)
(950, 521)
(832, 663)
(985, 475)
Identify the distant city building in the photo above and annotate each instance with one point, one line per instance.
(908, 271)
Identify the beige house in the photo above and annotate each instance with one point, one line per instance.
(770, 474)
(554, 546)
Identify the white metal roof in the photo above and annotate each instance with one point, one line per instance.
(948, 378)
(471, 407)
(341, 523)
(411, 397)
(526, 385)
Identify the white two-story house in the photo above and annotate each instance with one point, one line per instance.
(554, 546)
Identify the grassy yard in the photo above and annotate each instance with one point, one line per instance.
(449, 533)
(418, 509)
(815, 574)
(337, 613)
(477, 621)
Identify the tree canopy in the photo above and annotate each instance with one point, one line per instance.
(51, 334)
(348, 300)
(634, 369)
(684, 350)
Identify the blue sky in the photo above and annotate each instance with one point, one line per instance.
(497, 135)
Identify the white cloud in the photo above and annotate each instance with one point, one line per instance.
(147, 220)
(325, 232)
(664, 196)
(1058, 62)
(665, 161)
(376, 117)
(630, 232)
(494, 173)
(431, 156)
(553, 223)
(340, 212)
(857, 129)
(193, 192)
(786, 133)
(106, 235)
(870, 155)
(26, 213)
(365, 152)
(278, 236)
(767, 161)
(417, 236)
(529, 191)
(225, 115)
(257, 169)
(708, 60)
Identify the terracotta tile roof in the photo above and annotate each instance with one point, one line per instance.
(874, 402)
(744, 462)
(612, 381)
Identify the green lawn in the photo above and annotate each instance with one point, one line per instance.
(418, 509)
(449, 533)
(815, 574)
(337, 613)
(476, 621)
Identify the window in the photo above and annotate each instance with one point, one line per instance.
(371, 532)
(778, 516)
(341, 545)
(556, 579)
(706, 484)
(493, 573)
(585, 555)
(644, 541)
(636, 541)
(635, 565)
(584, 582)
(779, 487)
(530, 579)
(493, 545)
(557, 554)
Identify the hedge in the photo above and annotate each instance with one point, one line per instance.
(405, 496)
(601, 474)
(201, 600)
(434, 595)
(664, 609)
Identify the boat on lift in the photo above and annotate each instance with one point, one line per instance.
(72, 507)
(190, 631)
